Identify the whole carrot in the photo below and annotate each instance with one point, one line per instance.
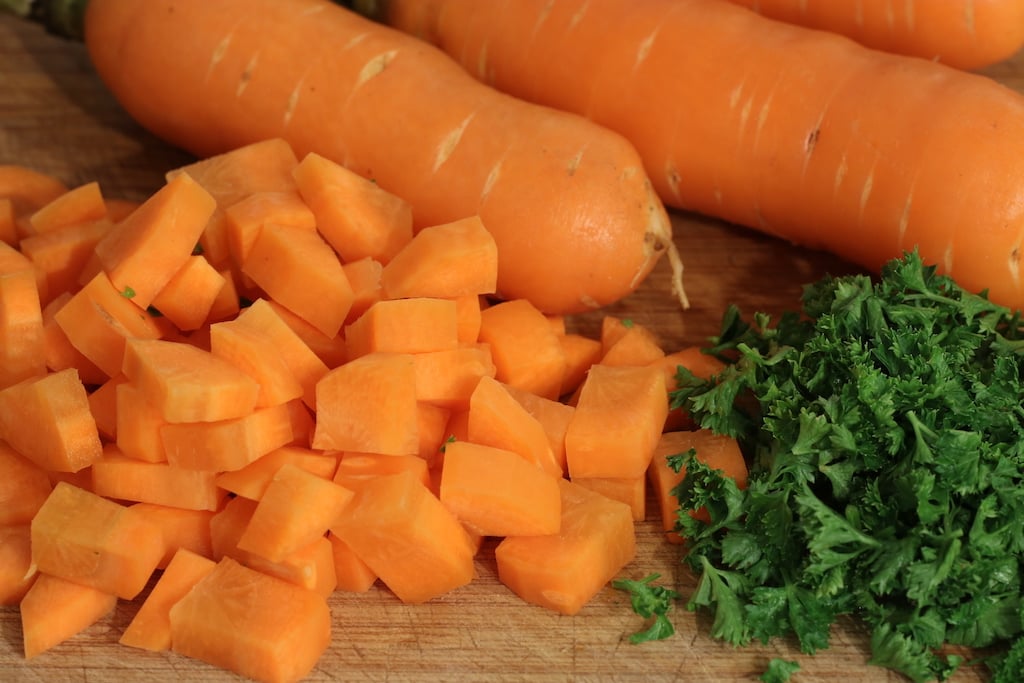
(799, 133)
(966, 34)
(572, 211)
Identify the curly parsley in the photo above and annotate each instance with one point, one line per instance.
(885, 430)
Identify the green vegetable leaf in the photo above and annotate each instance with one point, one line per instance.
(651, 602)
(779, 671)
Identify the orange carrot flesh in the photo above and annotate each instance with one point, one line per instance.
(415, 325)
(22, 348)
(55, 609)
(82, 204)
(28, 189)
(180, 529)
(526, 349)
(252, 480)
(448, 377)
(150, 628)
(255, 625)
(802, 134)
(23, 488)
(476, 155)
(353, 575)
(82, 537)
(17, 574)
(226, 445)
(120, 477)
(563, 571)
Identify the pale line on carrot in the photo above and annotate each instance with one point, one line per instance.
(577, 17)
(969, 17)
(449, 143)
(246, 76)
(375, 66)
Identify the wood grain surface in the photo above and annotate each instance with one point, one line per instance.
(55, 116)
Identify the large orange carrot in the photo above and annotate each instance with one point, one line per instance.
(568, 202)
(799, 133)
(966, 34)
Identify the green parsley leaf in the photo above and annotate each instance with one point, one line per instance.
(651, 602)
(779, 671)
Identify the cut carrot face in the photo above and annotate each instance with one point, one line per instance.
(526, 350)
(103, 406)
(717, 451)
(634, 345)
(445, 261)
(17, 573)
(417, 325)
(496, 418)
(563, 571)
(580, 353)
(355, 215)
(227, 445)
(82, 537)
(61, 255)
(252, 480)
(355, 469)
(364, 275)
(55, 609)
(553, 416)
(180, 528)
(299, 270)
(60, 353)
(264, 166)
(252, 624)
(618, 420)
(354, 575)
(255, 353)
(245, 217)
(448, 377)
(144, 251)
(48, 420)
(138, 424)
(189, 296)
(22, 336)
(27, 188)
(629, 490)
(188, 384)
(99, 319)
(498, 493)
(417, 547)
(120, 477)
(297, 508)
(24, 487)
(368, 405)
(150, 628)
(82, 204)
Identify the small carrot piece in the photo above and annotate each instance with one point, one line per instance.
(103, 406)
(355, 469)
(415, 325)
(82, 204)
(23, 488)
(454, 259)
(29, 189)
(563, 571)
(17, 573)
(297, 508)
(448, 377)
(60, 353)
(553, 416)
(368, 405)
(252, 480)
(250, 623)
(120, 477)
(83, 537)
(150, 628)
(365, 277)
(355, 215)
(188, 384)
(61, 255)
(617, 422)
(526, 350)
(138, 424)
(354, 575)
(144, 251)
(226, 445)
(580, 353)
(629, 490)
(628, 343)
(55, 609)
(48, 420)
(498, 493)
(299, 270)
(245, 217)
(179, 528)
(417, 547)
(189, 295)
(255, 353)
(467, 312)
(22, 347)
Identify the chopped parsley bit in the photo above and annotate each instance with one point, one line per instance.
(450, 439)
(197, 250)
(628, 322)
(650, 602)
(884, 428)
(779, 671)
(128, 292)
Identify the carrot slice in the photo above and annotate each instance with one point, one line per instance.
(8, 222)
(432, 421)
(328, 348)
(263, 166)
(526, 350)
(55, 609)
(636, 345)
(416, 325)
(252, 624)
(629, 490)
(448, 377)
(298, 269)
(497, 419)
(580, 353)
(355, 215)
(103, 406)
(82, 204)
(563, 571)
(364, 275)
(497, 493)
(717, 451)
(22, 346)
(255, 353)
(24, 487)
(227, 445)
(144, 251)
(252, 480)
(297, 508)
(17, 573)
(415, 544)
(180, 528)
(61, 255)
(98, 320)
(355, 469)
(150, 628)
(188, 297)
(467, 313)
(138, 425)
(454, 259)
(368, 405)
(188, 384)
(245, 217)
(354, 575)
(311, 567)
(117, 476)
(27, 188)
(82, 537)
(48, 420)
(60, 353)
(619, 417)
(553, 416)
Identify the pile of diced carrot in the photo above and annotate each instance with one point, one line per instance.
(265, 383)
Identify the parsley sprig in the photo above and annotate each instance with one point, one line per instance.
(884, 424)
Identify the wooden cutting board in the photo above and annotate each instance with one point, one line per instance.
(55, 116)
